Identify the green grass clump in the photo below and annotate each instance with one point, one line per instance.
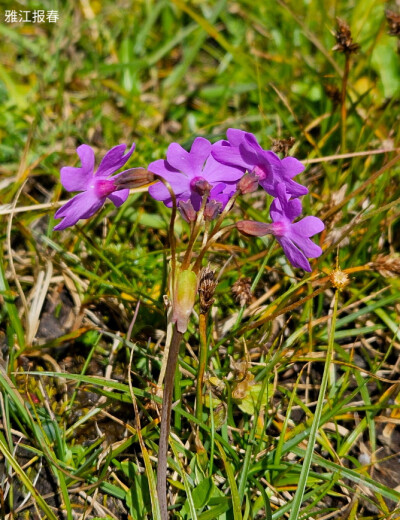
(301, 405)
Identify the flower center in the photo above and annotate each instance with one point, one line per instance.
(103, 187)
(279, 229)
(200, 185)
(260, 171)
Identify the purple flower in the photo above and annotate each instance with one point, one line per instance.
(242, 150)
(192, 174)
(95, 187)
(294, 237)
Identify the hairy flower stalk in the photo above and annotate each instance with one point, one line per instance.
(213, 234)
(198, 223)
(166, 422)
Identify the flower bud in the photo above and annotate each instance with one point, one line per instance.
(133, 178)
(253, 228)
(212, 210)
(183, 299)
(187, 211)
(248, 183)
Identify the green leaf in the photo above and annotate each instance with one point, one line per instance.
(215, 512)
(237, 510)
(203, 492)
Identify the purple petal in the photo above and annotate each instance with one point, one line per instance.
(162, 168)
(292, 166)
(200, 150)
(228, 155)
(179, 159)
(214, 171)
(159, 192)
(249, 155)
(308, 226)
(179, 184)
(191, 164)
(269, 157)
(282, 194)
(235, 136)
(295, 189)
(83, 205)
(250, 140)
(293, 209)
(86, 155)
(222, 193)
(275, 211)
(118, 197)
(114, 160)
(282, 209)
(76, 179)
(196, 200)
(294, 255)
(217, 189)
(307, 246)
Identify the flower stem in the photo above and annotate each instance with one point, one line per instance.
(226, 210)
(213, 238)
(202, 364)
(214, 233)
(195, 233)
(166, 423)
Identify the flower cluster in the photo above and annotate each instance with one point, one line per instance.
(276, 177)
(202, 181)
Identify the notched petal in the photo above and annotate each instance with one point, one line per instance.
(114, 160)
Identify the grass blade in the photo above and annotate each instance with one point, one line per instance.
(237, 510)
(298, 497)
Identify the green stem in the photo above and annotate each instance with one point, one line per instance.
(209, 243)
(195, 233)
(202, 364)
(166, 423)
(214, 233)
